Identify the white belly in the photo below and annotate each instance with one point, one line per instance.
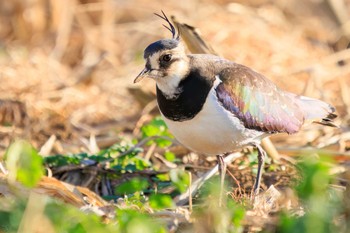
(214, 130)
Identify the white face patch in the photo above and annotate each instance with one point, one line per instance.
(168, 79)
(154, 61)
(169, 84)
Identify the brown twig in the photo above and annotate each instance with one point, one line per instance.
(237, 182)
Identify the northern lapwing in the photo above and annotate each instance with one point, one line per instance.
(214, 106)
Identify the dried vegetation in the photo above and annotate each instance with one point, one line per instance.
(66, 71)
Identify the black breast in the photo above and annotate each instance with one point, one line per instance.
(189, 102)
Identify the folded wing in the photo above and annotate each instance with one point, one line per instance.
(257, 102)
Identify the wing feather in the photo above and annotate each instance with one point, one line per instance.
(257, 102)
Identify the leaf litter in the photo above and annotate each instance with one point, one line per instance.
(72, 95)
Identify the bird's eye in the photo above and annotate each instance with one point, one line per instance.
(166, 57)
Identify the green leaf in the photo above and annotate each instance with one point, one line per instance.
(62, 160)
(157, 127)
(131, 163)
(161, 142)
(163, 177)
(11, 213)
(321, 202)
(315, 178)
(170, 156)
(74, 220)
(141, 163)
(131, 221)
(237, 213)
(161, 201)
(180, 179)
(24, 163)
(253, 158)
(134, 185)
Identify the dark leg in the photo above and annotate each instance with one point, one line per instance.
(222, 172)
(261, 159)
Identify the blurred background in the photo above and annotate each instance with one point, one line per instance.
(67, 67)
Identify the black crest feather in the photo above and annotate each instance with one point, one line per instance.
(171, 27)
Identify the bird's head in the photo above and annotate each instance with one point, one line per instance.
(166, 60)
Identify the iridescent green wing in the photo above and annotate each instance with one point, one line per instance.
(257, 102)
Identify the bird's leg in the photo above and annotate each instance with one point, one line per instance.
(183, 198)
(222, 172)
(261, 159)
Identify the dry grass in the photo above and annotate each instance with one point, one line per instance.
(66, 67)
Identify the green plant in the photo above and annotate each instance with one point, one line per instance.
(157, 128)
(322, 205)
(24, 163)
(210, 217)
(132, 221)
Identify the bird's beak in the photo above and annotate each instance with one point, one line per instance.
(141, 75)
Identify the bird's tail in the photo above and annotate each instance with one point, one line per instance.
(317, 111)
